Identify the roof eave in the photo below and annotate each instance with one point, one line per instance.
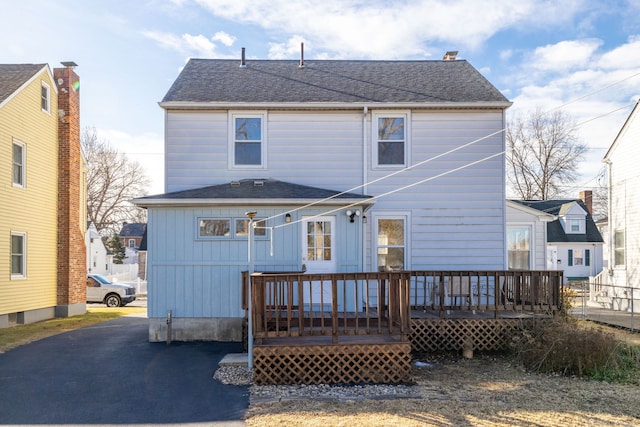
(191, 105)
(145, 203)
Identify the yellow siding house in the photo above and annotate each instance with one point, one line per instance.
(29, 141)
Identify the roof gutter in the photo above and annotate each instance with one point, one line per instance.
(144, 202)
(191, 105)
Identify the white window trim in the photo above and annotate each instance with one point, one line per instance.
(532, 239)
(404, 215)
(48, 88)
(232, 133)
(581, 225)
(24, 256)
(24, 164)
(406, 115)
(612, 255)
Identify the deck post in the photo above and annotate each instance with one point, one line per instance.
(334, 310)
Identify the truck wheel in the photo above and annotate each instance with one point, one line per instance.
(113, 300)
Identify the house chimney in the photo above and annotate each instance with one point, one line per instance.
(587, 197)
(301, 56)
(450, 55)
(72, 217)
(243, 64)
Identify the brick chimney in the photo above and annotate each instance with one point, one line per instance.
(587, 197)
(72, 266)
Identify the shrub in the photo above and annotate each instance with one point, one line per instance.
(570, 348)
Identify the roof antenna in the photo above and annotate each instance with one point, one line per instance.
(243, 64)
(301, 56)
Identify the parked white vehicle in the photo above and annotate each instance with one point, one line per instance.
(101, 290)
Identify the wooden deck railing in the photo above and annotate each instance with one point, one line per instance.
(297, 304)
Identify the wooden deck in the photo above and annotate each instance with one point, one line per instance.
(315, 321)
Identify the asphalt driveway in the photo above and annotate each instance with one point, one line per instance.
(110, 374)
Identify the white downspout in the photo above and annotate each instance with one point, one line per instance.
(365, 176)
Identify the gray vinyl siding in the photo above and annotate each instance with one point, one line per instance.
(457, 220)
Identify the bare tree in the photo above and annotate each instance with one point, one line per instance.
(112, 180)
(543, 153)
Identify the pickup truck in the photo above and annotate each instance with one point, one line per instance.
(101, 290)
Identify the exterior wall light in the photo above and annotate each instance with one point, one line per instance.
(352, 215)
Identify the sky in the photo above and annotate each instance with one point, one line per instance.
(580, 56)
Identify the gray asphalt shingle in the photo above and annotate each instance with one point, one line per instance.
(12, 76)
(247, 189)
(333, 81)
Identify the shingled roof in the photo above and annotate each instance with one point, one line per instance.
(12, 76)
(555, 232)
(221, 81)
(251, 190)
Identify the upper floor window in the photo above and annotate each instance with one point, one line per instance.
(248, 142)
(618, 248)
(575, 225)
(390, 133)
(18, 255)
(132, 243)
(45, 99)
(519, 247)
(18, 164)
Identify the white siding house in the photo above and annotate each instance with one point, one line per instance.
(98, 259)
(526, 237)
(350, 166)
(574, 243)
(624, 210)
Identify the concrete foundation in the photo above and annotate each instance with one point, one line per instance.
(71, 310)
(38, 315)
(227, 329)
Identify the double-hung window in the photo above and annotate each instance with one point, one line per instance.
(18, 255)
(618, 248)
(18, 164)
(45, 98)
(390, 146)
(391, 245)
(519, 247)
(248, 143)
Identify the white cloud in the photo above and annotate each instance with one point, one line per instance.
(224, 38)
(565, 55)
(288, 50)
(191, 45)
(382, 29)
(597, 88)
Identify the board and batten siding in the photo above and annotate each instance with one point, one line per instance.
(200, 278)
(625, 202)
(33, 209)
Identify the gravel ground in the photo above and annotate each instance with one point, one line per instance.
(447, 391)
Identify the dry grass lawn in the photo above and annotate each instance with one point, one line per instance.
(484, 391)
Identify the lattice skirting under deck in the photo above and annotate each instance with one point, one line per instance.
(456, 334)
(332, 364)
